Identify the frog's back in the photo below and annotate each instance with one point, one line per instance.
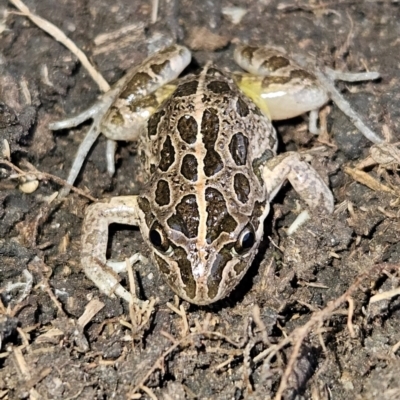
(205, 134)
(201, 149)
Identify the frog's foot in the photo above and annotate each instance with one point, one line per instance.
(96, 112)
(327, 79)
(107, 277)
(304, 179)
(106, 280)
(120, 266)
(103, 273)
(352, 76)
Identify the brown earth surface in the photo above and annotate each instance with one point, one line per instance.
(291, 296)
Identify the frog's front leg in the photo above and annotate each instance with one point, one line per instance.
(98, 217)
(304, 179)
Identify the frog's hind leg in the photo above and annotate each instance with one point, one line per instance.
(304, 179)
(107, 120)
(279, 86)
(121, 113)
(287, 89)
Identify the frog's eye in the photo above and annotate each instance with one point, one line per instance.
(245, 240)
(158, 238)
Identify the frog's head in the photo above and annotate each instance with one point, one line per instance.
(202, 246)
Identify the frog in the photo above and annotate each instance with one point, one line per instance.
(209, 149)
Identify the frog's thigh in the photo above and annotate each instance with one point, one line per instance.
(120, 210)
(304, 179)
(281, 97)
(277, 84)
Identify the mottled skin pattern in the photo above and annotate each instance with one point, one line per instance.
(138, 97)
(210, 152)
(209, 119)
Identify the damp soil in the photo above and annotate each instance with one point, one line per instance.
(48, 352)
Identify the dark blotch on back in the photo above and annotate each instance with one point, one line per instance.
(238, 148)
(163, 195)
(212, 163)
(162, 264)
(219, 87)
(241, 186)
(186, 89)
(144, 205)
(215, 277)
(210, 129)
(153, 122)
(189, 167)
(275, 62)
(258, 210)
(185, 269)
(167, 155)
(218, 218)
(242, 108)
(187, 128)
(186, 218)
(257, 164)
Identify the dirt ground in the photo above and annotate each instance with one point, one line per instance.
(307, 296)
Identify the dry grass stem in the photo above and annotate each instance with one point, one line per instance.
(91, 309)
(223, 364)
(350, 301)
(182, 313)
(149, 392)
(60, 36)
(385, 295)
(365, 179)
(154, 11)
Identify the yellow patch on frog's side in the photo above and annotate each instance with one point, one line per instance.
(254, 89)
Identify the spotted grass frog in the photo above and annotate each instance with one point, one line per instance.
(209, 149)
